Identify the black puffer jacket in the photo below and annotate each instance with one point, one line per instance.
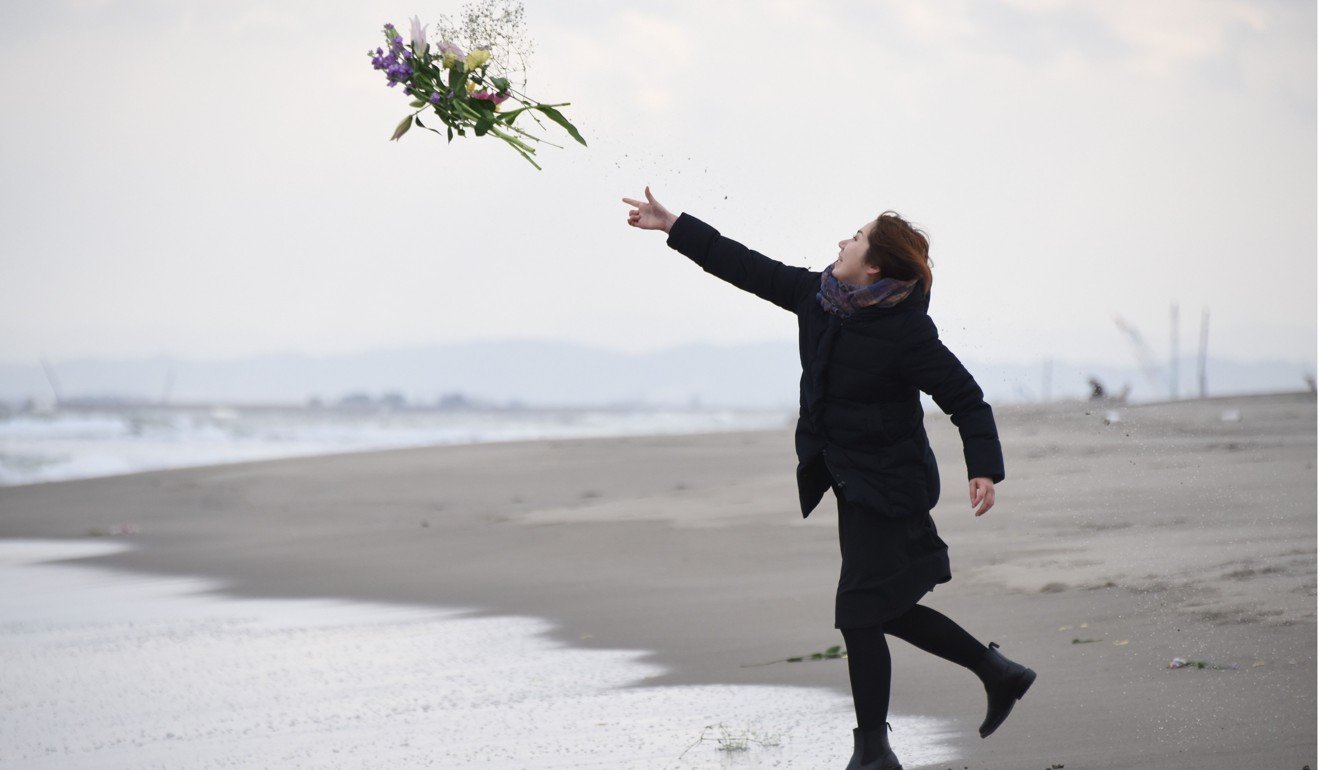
(860, 419)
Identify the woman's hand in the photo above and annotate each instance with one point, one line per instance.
(649, 215)
(982, 492)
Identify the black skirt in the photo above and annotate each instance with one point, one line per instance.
(889, 563)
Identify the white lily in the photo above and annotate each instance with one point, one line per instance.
(418, 36)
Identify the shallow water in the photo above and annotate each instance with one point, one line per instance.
(105, 669)
(83, 444)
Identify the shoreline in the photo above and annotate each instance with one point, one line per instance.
(690, 546)
(790, 417)
(1019, 409)
(70, 445)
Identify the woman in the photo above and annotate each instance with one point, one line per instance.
(867, 347)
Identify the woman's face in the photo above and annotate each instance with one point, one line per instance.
(850, 268)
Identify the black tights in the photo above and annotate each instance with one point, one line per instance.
(868, 656)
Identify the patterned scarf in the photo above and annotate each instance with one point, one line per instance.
(843, 299)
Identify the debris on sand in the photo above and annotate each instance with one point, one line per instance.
(123, 528)
(1183, 663)
(833, 652)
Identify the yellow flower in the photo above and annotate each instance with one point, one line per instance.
(471, 86)
(476, 59)
(450, 54)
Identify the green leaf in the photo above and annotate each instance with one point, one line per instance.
(451, 133)
(402, 128)
(417, 103)
(428, 128)
(501, 84)
(554, 115)
(511, 114)
(484, 123)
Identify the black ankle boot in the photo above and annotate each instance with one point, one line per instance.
(871, 750)
(1005, 682)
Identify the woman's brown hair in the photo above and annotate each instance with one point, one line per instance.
(900, 250)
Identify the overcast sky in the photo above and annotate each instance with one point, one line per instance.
(212, 180)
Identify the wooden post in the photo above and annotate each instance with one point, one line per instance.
(1200, 357)
(1173, 353)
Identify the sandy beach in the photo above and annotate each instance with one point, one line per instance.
(1123, 537)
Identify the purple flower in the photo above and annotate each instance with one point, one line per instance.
(394, 61)
(435, 98)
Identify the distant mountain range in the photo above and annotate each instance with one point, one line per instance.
(549, 373)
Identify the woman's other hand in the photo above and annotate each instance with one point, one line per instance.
(649, 215)
(982, 491)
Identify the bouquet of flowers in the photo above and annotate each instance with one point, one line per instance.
(459, 87)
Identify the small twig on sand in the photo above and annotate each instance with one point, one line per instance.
(833, 652)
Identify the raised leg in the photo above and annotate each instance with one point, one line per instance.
(936, 633)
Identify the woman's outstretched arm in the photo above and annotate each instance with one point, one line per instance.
(724, 257)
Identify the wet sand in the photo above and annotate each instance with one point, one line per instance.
(1170, 532)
